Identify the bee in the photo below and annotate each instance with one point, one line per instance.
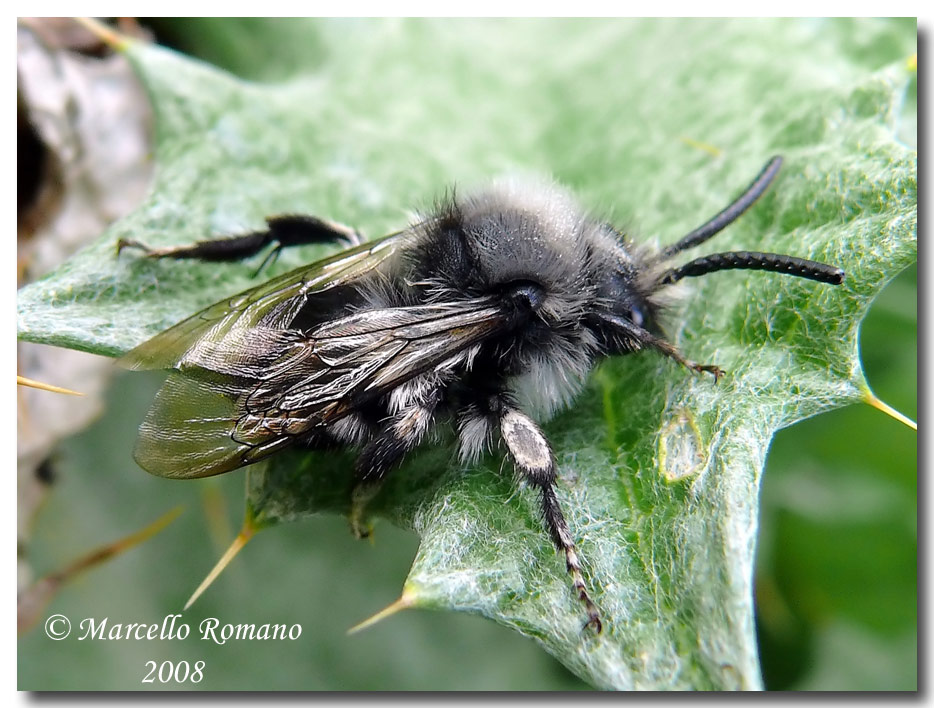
(486, 314)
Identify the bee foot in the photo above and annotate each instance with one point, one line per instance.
(130, 243)
(710, 369)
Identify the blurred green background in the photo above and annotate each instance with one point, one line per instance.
(836, 579)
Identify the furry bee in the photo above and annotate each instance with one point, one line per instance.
(485, 314)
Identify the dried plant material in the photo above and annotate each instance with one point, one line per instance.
(91, 120)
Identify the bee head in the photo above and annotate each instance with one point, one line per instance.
(626, 314)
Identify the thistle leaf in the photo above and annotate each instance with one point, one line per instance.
(659, 470)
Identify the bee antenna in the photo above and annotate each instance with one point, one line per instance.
(730, 214)
(749, 260)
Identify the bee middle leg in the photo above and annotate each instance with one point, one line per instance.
(382, 453)
(535, 461)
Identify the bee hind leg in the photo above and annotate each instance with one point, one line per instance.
(298, 229)
(283, 231)
(231, 248)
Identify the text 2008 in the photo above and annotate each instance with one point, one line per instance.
(174, 672)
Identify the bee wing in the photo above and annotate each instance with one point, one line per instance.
(206, 422)
(245, 384)
(270, 304)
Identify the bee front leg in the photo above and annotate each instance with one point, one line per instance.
(535, 461)
(637, 338)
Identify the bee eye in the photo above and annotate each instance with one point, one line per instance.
(530, 294)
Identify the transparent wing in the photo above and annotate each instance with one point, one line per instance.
(204, 422)
(246, 384)
(271, 304)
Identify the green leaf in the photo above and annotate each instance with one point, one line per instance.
(659, 470)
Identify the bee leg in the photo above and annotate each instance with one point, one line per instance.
(535, 461)
(672, 352)
(231, 248)
(360, 525)
(642, 338)
(382, 453)
(284, 231)
(298, 230)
